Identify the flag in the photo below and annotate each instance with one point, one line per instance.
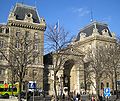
(56, 27)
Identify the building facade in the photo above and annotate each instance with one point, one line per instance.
(72, 75)
(23, 20)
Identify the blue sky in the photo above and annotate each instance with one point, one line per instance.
(72, 14)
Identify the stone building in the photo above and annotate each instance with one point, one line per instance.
(23, 19)
(71, 76)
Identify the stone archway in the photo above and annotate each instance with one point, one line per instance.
(70, 75)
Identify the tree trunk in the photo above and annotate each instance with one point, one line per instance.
(12, 83)
(116, 84)
(113, 85)
(97, 86)
(20, 89)
(55, 90)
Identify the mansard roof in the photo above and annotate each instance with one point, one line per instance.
(20, 10)
(89, 29)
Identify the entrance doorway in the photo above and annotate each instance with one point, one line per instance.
(70, 76)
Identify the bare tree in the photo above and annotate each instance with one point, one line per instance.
(105, 62)
(97, 61)
(57, 42)
(113, 63)
(21, 54)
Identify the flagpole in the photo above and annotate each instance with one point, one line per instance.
(58, 26)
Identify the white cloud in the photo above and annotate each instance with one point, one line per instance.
(81, 11)
(107, 19)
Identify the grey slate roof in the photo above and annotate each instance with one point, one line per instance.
(20, 10)
(89, 29)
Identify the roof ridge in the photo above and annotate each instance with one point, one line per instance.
(25, 6)
(87, 26)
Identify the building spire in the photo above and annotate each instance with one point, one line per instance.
(35, 3)
(91, 16)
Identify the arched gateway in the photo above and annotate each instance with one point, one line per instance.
(70, 75)
(73, 75)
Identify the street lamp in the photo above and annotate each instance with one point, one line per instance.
(33, 89)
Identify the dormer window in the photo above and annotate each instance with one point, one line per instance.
(105, 32)
(82, 35)
(29, 15)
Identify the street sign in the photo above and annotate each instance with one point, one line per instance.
(32, 85)
(107, 92)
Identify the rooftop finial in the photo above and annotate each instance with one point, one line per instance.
(22, 2)
(91, 16)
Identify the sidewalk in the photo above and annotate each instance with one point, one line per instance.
(11, 99)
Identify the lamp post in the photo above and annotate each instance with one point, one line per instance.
(61, 80)
(85, 65)
(33, 88)
(26, 88)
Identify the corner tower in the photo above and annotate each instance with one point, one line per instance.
(24, 19)
(89, 38)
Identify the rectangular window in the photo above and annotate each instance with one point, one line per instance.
(7, 30)
(102, 85)
(17, 34)
(36, 46)
(17, 44)
(107, 84)
(26, 33)
(1, 43)
(0, 30)
(35, 60)
(1, 57)
(35, 35)
(0, 71)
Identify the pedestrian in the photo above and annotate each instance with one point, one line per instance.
(78, 96)
(92, 99)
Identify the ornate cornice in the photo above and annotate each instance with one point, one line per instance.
(97, 38)
(28, 25)
(4, 35)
